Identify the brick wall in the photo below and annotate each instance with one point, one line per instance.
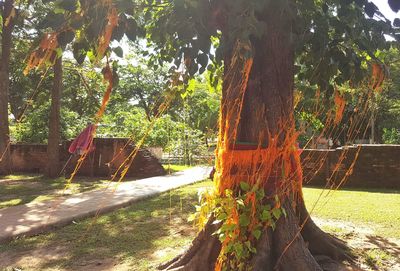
(375, 166)
(33, 158)
(28, 157)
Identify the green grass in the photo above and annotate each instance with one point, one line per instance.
(130, 236)
(22, 189)
(20, 176)
(156, 229)
(377, 209)
(175, 168)
(376, 258)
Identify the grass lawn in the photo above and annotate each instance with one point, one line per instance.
(21, 189)
(156, 229)
(378, 209)
(171, 168)
(134, 238)
(24, 188)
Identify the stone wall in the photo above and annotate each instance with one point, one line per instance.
(353, 166)
(109, 153)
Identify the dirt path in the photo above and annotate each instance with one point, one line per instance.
(375, 252)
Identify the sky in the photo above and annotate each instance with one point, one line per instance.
(385, 9)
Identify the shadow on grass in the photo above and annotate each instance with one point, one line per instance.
(26, 188)
(385, 245)
(140, 236)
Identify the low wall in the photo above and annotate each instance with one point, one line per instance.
(109, 153)
(28, 157)
(375, 165)
(353, 166)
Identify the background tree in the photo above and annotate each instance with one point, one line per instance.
(82, 87)
(143, 87)
(53, 143)
(202, 105)
(388, 102)
(8, 14)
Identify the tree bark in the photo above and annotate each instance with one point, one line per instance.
(265, 119)
(53, 145)
(6, 38)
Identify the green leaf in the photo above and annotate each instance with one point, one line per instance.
(284, 212)
(227, 227)
(266, 207)
(131, 31)
(244, 186)
(1, 24)
(58, 10)
(91, 55)
(370, 9)
(193, 68)
(238, 248)
(52, 20)
(257, 234)
(65, 37)
(222, 216)
(273, 225)
(59, 52)
(396, 22)
(118, 51)
(260, 194)
(202, 70)
(69, 5)
(191, 217)
(244, 220)
(229, 248)
(277, 213)
(202, 59)
(265, 216)
(79, 50)
(240, 202)
(93, 31)
(192, 85)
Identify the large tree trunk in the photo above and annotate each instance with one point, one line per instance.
(53, 145)
(258, 142)
(6, 40)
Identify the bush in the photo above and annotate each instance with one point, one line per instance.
(391, 136)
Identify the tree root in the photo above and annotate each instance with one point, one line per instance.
(291, 250)
(201, 255)
(297, 244)
(320, 242)
(263, 257)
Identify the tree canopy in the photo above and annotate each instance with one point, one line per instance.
(335, 40)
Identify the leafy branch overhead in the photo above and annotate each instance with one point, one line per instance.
(335, 40)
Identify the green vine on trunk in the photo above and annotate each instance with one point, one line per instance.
(243, 217)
